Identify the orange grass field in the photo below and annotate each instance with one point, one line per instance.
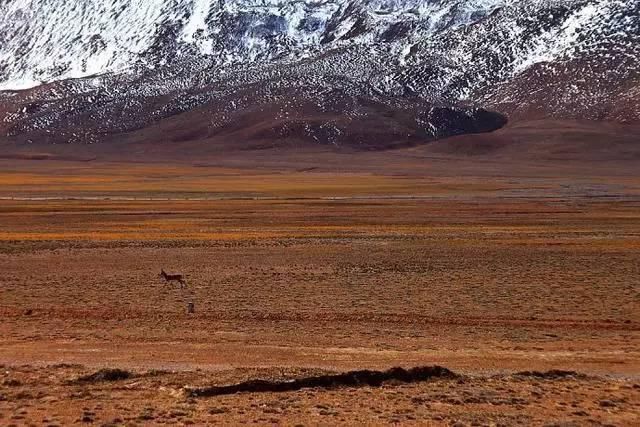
(296, 273)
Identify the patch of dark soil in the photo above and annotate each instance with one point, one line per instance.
(106, 374)
(65, 366)
(348, 379)
(553, 374)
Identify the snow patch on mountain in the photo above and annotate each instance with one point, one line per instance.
(558, 42)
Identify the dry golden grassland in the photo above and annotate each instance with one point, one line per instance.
(294, 272)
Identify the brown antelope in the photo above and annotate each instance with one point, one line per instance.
(172, 278)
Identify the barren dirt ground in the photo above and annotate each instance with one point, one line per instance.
(298, 273)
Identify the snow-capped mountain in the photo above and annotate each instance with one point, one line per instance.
(43, 40)
(334, 71)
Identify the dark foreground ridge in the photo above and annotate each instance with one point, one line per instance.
(106, 374)
(553, 374)
(348, 379)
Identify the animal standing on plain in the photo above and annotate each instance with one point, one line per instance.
(172, 278)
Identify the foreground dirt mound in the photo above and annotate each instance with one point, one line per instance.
(348, 379)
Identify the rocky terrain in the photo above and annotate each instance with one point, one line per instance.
(367, 74)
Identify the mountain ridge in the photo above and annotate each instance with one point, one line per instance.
(364, 73)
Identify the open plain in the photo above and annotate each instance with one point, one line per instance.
(499, 272)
